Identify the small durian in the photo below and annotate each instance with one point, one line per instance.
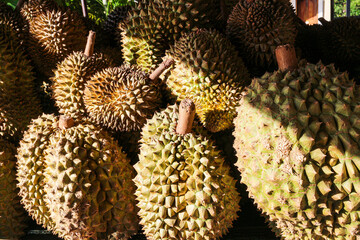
(257, 27)
(297, 142)
(52, 36)
(71, 75)
(12, 214)
(208, 70)
(184, 189)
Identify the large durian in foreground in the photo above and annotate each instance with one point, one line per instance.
(184, 190)
(12, 214)
(257, 27)
(152, 26)
(18, 102)
(78, 176)
(208, 71)
(71, 75)
(52, 36)
(297, 142)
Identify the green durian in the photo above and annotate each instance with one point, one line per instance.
(12, 215)
(208, 71)
(184, 190)
(297, 141)
(257, 27)
(152, 26)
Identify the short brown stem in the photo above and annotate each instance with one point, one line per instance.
(89, 49)
(66, 122)
(161, 68)
(186, 117)
(286, 57)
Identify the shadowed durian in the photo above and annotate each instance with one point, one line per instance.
(208, 71)
(184, 190)
(307, 41)
(257, 27)
(52, 36)
(71, 76)
(13, 20)
(12, 214)
(152, 26)
(297, 142)
(82, 180)
(18, 102)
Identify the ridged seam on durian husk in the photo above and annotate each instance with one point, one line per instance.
(208, 71)
(183, 187)
(70, 78)
(54, 35)
(152, 26)
(18, 102)
(88, 185)
(257, 27)
(296, 138)
(30, 169)
(121, 98)
(12, 214)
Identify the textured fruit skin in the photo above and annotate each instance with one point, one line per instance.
(152, 26)
(12, 214)
(257, 27)
(30, 169)
(208, 71)
(69, 81)
(13, 20)
(121, 98)
(89, 185)
(111, 25)
(183, 186)
(32, 8)
(297, 142)
(18, 102)
(54, 35)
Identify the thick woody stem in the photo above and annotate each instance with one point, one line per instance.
(66, 122)
(89, 49)
(186, 117)
(19, 5)
(286, 57)
(84, 8)
(161, 68)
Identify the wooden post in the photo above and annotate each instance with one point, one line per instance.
(186, 117)
(89, 48)
(286, 57)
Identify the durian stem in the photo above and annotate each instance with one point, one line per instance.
(66, 122)
(161, 68)
(186, 116)
(84, 8)
(19, 5)
(286, 57)
(89, 49)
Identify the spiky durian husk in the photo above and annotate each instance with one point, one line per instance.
(18, 102)
(152, 26)
(70, 78)
(183, 186)
(208, 71)
(12, 214)
(258, 27)
(297, 141)
(121, 98)
(307, 41)
(111, 25)
(30, 174)
(89, 188)
(340, 44)
(32, 8)
(13, 20)
(54, 35)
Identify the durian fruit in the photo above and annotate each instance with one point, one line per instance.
(340, 44)
(18, 102)
(308, 42)
(225, 7)
(208, 71)
(32, 8)
(184, 190)
(152, 26)
(12, 214)
(89, 185)
(31, 167)
(297, 142)
(54, 35)
(13, 20)
(257, 27)
(71, 75)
